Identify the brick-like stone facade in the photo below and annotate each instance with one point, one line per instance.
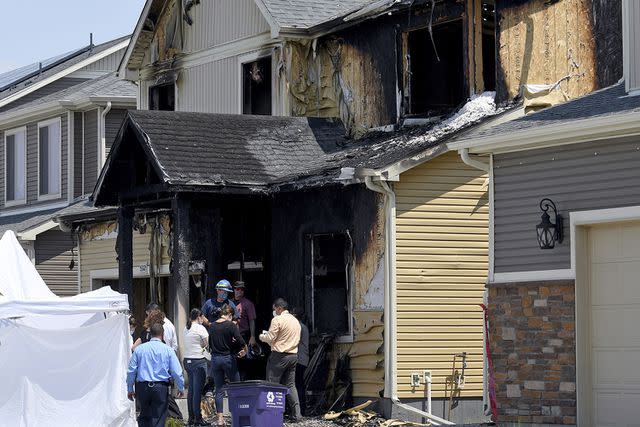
(532, 337)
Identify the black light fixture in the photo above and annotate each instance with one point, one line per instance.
(548, 232)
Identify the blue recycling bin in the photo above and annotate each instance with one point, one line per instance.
(257, 403)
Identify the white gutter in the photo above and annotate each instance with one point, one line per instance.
(390, 298)
(464, 155)
(103, 138)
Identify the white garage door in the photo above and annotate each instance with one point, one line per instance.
(615, 324)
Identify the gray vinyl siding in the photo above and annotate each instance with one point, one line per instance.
(113, 121)
(53, 255)
(241, 19)
(77, 155)
(2, 168)
(198, 92)
(578, 177)
(90, 150)
(108, 63)
(53, 87)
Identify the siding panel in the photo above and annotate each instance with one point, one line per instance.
(198, 92)
(442, 258)
(222, 21)
(594, 175)
(53, 255)
(90, 150)
(113, 121)
(77, 154)
(108, 63)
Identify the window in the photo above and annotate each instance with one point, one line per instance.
(49, 159)
(331, 295)
(256, 87)
(15, 166)
(162, 97)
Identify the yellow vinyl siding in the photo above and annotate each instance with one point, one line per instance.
(441, 270)
(101, 255)
(367, 358)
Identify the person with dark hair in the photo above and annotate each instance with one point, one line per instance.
(170, 336)
(195, 340)
(212, 306)
(284, 336)
(153, 316)
(133, 328)
(151, 366)
(303, 358)
(225, 343)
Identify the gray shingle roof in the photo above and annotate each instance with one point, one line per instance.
(108, 85)
(74, 59)
(306, 14)
(22, 222)
(605, 102)
(84, 209)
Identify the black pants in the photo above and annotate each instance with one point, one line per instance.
(281, 368)
(153, 399)
(302, 395)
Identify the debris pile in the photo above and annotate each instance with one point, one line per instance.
(358, 417)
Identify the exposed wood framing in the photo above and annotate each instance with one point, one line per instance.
(125, 252)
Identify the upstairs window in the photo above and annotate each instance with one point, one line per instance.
(331, 294)
(49, 159)
(15, 167)
(162, 97)
(256, 87)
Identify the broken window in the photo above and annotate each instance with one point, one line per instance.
(330, 290)
(162, 97)
(436, 76)
(256, 87)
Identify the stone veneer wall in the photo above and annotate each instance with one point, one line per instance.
(532, 337)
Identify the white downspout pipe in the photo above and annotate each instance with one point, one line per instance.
(103, 138)
(390, 317)
(477, 164)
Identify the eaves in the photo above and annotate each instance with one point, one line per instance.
(75, 67)
(567, 132)
(13, 117)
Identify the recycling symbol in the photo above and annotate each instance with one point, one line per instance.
(270, 397)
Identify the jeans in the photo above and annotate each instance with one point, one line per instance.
(222, 366)
(197, 372)
(281, 369)
(153, 398)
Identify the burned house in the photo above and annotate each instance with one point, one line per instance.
(376, 227)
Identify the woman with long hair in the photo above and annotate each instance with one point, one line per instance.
(195, 339)
(226, 344)
(154, 316)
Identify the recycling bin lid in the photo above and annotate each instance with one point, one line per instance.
(254, 383)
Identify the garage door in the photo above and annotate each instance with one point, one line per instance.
(615, 324)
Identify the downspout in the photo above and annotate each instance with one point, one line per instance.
(390, 317)
(103, 140)
(477, 164)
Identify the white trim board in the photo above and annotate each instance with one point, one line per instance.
(63, 73)
(14, 132)
(32, 233)
(42, 124)
(533, 276)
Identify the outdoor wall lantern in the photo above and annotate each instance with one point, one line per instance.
(549, 232)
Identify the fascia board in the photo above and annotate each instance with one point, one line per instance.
(63, 73)
(273, 25)
(122, 68)
(32, 233)
(576, 131)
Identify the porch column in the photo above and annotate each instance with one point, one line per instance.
(180, 257)
(214, 248)
(125, 252)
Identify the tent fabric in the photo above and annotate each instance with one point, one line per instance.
(19, 279)
(66, 377)
(64, 360)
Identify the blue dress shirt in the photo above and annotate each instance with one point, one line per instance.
(154, 361)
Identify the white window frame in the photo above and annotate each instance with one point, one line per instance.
(251, 57)
(9, 203)
(42, 124)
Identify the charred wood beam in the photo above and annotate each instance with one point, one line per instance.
(124, 249)
(180, 257)
(213, 248)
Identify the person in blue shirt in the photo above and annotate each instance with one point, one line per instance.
(212, 306)
(151, 366)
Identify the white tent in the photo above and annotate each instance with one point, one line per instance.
(64, 360)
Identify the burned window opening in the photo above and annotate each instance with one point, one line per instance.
(162, 97)
(436, 86)
(489, 45)
(256, 87)
(330, 287)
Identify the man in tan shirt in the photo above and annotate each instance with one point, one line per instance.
(283, 336)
